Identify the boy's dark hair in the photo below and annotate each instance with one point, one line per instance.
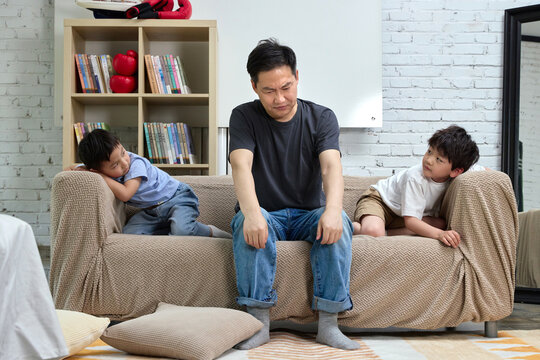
(267, 55)
(455, 144)
(96, 147)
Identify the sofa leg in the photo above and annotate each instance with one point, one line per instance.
(490, 329)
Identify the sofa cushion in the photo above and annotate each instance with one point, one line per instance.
(80, 329)
(183, 332)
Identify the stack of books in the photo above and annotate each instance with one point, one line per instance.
(169, 143)
(166, 74)
(95, 72)
(81, 129)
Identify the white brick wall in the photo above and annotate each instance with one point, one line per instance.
(442, 64)
(30, 144)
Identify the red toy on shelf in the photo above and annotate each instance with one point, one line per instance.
(126, 66)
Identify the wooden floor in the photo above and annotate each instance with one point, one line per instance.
(524, 317)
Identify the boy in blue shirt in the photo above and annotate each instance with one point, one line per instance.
(167, 205)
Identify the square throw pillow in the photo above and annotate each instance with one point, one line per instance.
(80, 329)
(183, 332)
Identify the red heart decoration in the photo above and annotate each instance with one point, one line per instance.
(125, 64)
(122, 83)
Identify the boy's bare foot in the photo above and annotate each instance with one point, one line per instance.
(356, 228)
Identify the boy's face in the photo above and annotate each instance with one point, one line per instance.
(437, 167)
(118, 164)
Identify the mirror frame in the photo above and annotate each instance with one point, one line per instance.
(513, 18)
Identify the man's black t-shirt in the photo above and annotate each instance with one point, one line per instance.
(286, 167)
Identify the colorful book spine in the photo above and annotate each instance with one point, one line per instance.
(167, 127)
(178, 143)
(98, 74)
(174, 71)
(80, 72)
(89, 74)
(150, 74)
(159, 75)
(148, 146)
(190, 145)
(161, 152)
(184, 143)
(105, 71)
(83, 69)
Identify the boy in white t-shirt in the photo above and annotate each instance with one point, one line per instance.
(408, 203)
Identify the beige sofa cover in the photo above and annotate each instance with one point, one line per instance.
(402, 281)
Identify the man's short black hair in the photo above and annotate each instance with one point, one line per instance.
(97, 147)
(458, 146)
(267, 55)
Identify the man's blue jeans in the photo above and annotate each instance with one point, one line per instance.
(330, 264)
(176, 216)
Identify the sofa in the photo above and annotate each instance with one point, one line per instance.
(400, 281)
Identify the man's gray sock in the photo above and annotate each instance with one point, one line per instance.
(263, 335)
(218, 233)
(329, 333)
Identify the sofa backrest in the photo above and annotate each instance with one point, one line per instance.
(217, 197)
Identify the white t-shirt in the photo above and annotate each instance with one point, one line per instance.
(410, 193)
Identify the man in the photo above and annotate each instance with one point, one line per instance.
(283, 150)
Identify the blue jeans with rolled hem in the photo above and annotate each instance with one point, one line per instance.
(330, 264)
(176, 216)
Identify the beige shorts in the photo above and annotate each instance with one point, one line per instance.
(371, 203)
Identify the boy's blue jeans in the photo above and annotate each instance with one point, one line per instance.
(176, 216)
(330, 264)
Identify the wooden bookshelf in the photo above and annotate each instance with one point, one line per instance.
(194, 41)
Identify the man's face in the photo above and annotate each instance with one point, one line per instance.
(277, 89)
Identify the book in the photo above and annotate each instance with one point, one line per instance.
(84, 68)
(98, 74)
(89, 74)
(184, 143)
(158, 143)
(190, 146)
(171, 144)
(166, 143)
(150, 74)
(105, 71)
(174, 85)
(80, 72)
(78, 134)
(176, 76)
(182, 85)
(177, 143)
(159, 75)
(183, 76)
(147, 138)
(166, 74)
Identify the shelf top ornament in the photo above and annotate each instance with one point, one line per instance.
(129, 9)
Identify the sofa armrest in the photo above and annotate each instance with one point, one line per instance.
(84, 212)
(481, 207)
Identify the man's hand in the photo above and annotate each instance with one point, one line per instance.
(449, 238)
(255, 230)
(330, 226)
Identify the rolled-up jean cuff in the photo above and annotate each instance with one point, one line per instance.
(255, 303)
(330, 306)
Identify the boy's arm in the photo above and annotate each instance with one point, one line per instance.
(447, 237)
(125, 191)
